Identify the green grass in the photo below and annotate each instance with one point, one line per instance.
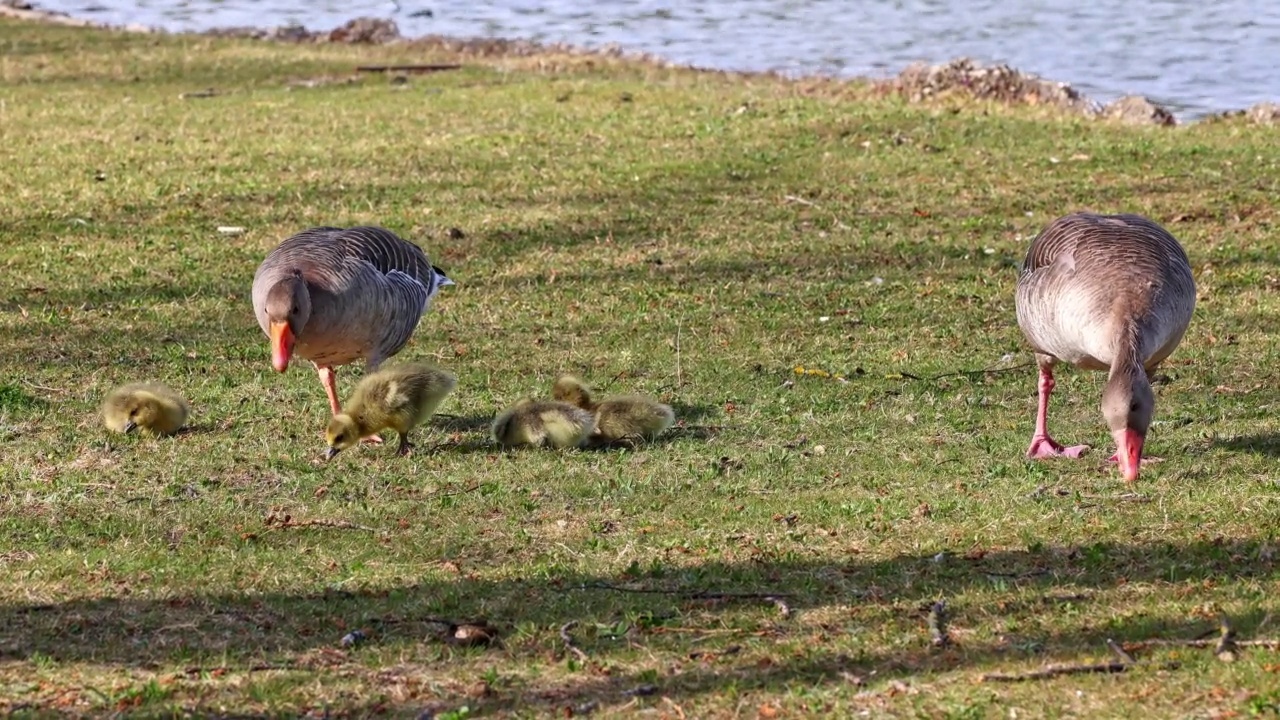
(694, 236)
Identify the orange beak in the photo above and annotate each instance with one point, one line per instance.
(1129, 452)
(281, 346)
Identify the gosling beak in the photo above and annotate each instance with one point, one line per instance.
(281, 346)
(1129, 452)
(130, 426)
(331, 453)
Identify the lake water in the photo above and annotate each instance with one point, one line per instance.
(1192, 57)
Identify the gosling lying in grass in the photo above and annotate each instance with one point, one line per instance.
(619, 418)
(542, 423)
(399, 398)
(152, 407)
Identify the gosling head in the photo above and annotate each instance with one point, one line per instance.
(342, 433)
(570, 389)
(141, 411)
(288, 309)
(1127, 405)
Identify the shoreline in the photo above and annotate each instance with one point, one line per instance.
(917, 83)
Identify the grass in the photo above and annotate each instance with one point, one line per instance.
(695, 236)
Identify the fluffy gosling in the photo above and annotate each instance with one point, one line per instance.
(399, 397)
(150, 406)
(619, 418)
(542, 423)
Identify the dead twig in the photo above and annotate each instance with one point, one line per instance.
(1264, 643)
(959, 373)
(688, 594)
(223, 669)
(570, 644)
(778, 599)
(196, 94)
(938, 624)
(46, 388)
(283, 522)
(1120, 652)
(1125, 663)
(1126, 497)
(408, 68)
(1015, 576)
(1054, 671)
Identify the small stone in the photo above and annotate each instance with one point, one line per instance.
(1137, 110)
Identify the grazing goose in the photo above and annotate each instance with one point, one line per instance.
(1105, 292)
(334, 295)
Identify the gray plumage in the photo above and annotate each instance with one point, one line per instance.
(345, 295)
(1105, 292)
(1090, 281)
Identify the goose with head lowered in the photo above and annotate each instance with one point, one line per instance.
(337, 295)
(1104, 292)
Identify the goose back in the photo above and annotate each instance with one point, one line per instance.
(1091, 282)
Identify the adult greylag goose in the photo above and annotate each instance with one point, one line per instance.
(334, 295)
(1104, 292)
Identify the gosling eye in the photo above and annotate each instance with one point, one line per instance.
(341, 437)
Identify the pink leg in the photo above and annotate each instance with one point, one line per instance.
(328, 378)
(1043, 446)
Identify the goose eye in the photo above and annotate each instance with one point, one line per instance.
(1133, 407)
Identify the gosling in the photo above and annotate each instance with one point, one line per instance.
(152, 407)
(542, 423)
(619, 418)
(399, 398)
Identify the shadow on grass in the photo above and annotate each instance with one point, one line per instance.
(1260, 444)
(244, 630)
(463, 423)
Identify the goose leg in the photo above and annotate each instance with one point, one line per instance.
(328, 378)
(1043, 446)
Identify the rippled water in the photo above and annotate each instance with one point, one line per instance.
(1194, 57)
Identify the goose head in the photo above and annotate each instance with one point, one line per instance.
(1128, 404)
(288, 309)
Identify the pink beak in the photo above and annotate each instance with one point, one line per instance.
(1129, 452)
